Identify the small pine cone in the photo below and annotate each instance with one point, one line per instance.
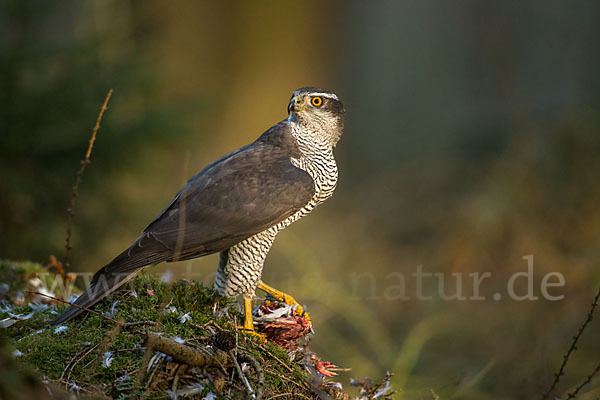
(224, 341)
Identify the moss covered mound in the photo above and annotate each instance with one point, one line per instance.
(110, 355)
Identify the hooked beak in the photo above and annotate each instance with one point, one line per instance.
(295, 104)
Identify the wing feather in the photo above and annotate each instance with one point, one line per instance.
(232, 199)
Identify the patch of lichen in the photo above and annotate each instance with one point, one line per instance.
(72, 354)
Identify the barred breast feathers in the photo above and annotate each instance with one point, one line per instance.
(241, 266)
(317, 159)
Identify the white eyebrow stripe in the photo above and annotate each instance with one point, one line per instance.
(328, 95)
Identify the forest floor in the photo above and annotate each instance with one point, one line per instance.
(156, 340)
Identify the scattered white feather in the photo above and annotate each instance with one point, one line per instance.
(283, 311)
(124, 378)
(44, 290)
(113, 310)
(31, 334)
(172, 394)
(60, 329)
(74, 386)
(179, 340)
(171, 310)
(185, 318)
(107, 359)
(21, 317)
(38, 307)
(382, 391)
(210, 396)
(17, 353)
(156, 358)
(36, 282)
(6, 322)
(72, 298)
(6, 307)
(190, 390)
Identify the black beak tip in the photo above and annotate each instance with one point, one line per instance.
(293, 106)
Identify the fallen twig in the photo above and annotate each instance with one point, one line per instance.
(288, 395)
(73, 304)
(260, 376)
(139, 323)
(75, 360)
(180, 370)
(249, 389)
(181, 352)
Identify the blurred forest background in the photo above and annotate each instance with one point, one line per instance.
(472, 140)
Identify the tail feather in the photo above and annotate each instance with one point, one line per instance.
(144, 251)
(104, 286)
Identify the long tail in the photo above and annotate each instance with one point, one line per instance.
(104, 286)
(143, 252)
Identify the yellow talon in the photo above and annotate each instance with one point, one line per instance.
(248, 327)
(248, 322)
(286, 298)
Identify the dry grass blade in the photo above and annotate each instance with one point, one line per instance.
(75, 191)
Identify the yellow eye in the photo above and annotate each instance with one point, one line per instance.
(317, 101)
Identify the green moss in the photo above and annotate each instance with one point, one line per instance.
(73, 353)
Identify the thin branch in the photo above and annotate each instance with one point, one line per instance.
(275, 357)
(288, 395)
(74, 360)
(303, 385)
(573, 347)
(139, 323)
(260, 375)
(75, 192)
(74, 305)
(249, 389)
(573, 394)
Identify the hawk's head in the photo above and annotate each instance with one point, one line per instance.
(318, 110)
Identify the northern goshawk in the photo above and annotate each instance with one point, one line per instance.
(238, 204)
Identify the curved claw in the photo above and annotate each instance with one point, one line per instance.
(286, 298)
(252, 333)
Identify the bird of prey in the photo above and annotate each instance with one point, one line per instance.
(238, 204)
